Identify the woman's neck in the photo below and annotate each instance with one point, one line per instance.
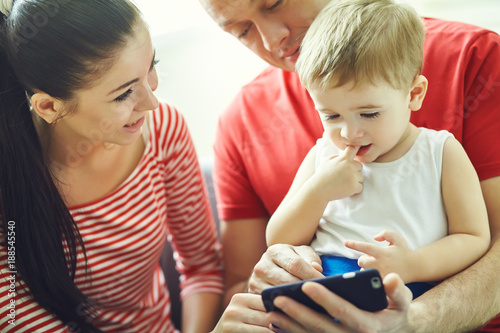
(67, 152)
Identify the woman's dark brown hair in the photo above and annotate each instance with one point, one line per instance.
(58, 47)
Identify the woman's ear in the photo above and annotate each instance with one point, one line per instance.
(417, 92)
(46, 106)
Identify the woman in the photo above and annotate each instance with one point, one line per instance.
(91, 181)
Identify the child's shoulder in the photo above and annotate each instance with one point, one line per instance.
(435, 134)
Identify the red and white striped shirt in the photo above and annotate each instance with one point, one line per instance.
(124, 234)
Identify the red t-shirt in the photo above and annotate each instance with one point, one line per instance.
(268, 129)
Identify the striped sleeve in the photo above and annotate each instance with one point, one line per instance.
(191, 227)
(18, 311)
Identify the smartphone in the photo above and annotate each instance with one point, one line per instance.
(364, 289)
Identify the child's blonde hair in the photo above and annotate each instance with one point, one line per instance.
(362, 40)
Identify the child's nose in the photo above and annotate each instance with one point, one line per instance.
(351, 132)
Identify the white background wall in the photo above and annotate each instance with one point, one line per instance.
(202, 68)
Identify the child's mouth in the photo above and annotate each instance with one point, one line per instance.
(363, 150)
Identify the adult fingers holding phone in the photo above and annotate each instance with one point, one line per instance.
(350, 318)
(283, 263)
(245, 313)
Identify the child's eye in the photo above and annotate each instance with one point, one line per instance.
(276, 4)
(330, 116)
(370, 115)
(123, 96)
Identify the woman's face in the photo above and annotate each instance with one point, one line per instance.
(272, 29)
(113, 109)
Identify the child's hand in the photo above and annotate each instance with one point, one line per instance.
(395, 258)
(340, 176)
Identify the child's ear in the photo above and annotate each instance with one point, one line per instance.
(417, 92)
(46, 106)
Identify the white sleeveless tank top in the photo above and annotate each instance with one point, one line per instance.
(403, 196)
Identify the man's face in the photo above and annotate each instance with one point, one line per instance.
(272, 29)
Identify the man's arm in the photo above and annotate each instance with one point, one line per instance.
(469, 299)
(200, 312)
(243, 243)
(246, 255)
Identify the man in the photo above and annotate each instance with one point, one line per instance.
(265, 134)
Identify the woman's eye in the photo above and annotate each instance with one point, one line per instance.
(370, 115)
(153, 65)
(276, 4)
(123, 96)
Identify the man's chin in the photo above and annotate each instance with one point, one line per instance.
(284, 65)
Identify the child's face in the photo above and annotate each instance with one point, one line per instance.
(375, 118)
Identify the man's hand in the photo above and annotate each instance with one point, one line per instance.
(350, 319)
(284, 264)
(245, 313)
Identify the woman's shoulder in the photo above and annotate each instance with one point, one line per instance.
(168, 129)
(166, 120)
(165, 112)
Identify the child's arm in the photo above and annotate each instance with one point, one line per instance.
(296, 219)
(468, 229)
